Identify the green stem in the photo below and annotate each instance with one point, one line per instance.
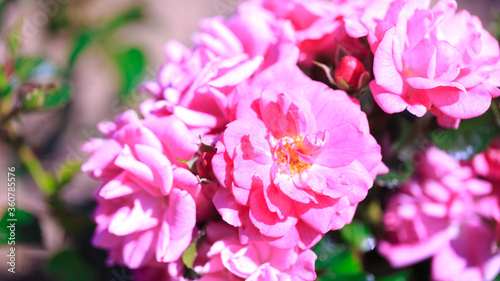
(46, 184)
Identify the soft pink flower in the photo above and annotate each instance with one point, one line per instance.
(444, 212)
(146, 204)
(422, 63)
(296, 161)
(221, 256)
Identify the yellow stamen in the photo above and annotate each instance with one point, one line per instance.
(287, 155)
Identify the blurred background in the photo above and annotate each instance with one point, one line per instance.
(77, 63)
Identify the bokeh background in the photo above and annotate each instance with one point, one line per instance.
(90, 56)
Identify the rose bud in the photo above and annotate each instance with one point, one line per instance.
(204, 165)
(348, 72)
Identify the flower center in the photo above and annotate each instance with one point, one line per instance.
(287, 155)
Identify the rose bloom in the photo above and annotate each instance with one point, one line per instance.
(221, 256)
(197, 85)
(421, 63)
(446, 213)
(296, 161)
(318, 27)
(146, 204)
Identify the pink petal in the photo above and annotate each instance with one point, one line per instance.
(179, 220)
(267, 222)
(460, 104)
(389, 102)
(384, 66)
(159, 166)
(118, 187)
(143, 215)
(320, 216)
(137, 249)
(178, 141)
(227, 208)
(342, 146)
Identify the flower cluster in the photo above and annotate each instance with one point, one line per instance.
(448, 213)
(251, 152)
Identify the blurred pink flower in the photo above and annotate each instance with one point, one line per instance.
(221, 256)
(296, 161)
(487, 163)
(146, 205)
(422, 63)
(444, 212)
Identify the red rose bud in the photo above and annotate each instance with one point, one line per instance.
(349, 69)
(204, 165)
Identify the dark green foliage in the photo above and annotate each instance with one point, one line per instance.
(27, 228)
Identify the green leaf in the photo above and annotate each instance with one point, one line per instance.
(189, 255)
(134, 13)
(26, 228)
(352, 277)
(68, 265)
(58, 97)
(336, 258)
(67, 171)
(358, 235)
(395, 176)
(400, 276)
(14, 38)
(103, 31)
(4, 84)
(25, 66)
(472, 136)
(131, 63)
(81, 42)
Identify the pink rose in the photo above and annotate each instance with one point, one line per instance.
(421, 63)
(146, 204)
(296, 161)
(221, 256)
(444, 212)
(197, 86)
(189, 87)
